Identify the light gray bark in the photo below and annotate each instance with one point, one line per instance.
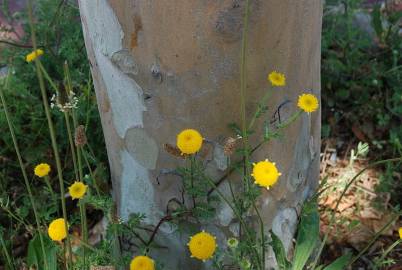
(163, 66)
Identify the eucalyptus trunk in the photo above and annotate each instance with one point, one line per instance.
(162, 66)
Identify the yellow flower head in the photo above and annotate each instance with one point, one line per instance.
(189, 141)
(33, 55)
(202, 246)
(57, 229)
(142, 263)
(265, 173)
(400, 232)
(277, 79)
(308, 103)
(77, 190)
(42, 170)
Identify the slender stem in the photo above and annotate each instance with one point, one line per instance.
(19, 219)
(72, 146)
(22, 166)
(46, 178)
(80, 169)
(255, 148)
(243, 86)
(230, 182)
(161, 221)
(5, 251)
(15, 44)
(258, 111)
(389, 249)
(51, 82)
(262, 232)
(83, 230)
(51, 130)
(236, 212)
(84, 154)
(192, 179)
(385, 227)
(116, 247)
(332, 220)
(49, 186)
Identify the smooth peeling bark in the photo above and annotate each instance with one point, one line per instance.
(162, 66)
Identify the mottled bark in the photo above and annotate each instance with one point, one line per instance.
(162, 66)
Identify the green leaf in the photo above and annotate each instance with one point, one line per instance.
(35, 255)
(376, 19)
(280, 253)
(307, 236)
(340, 263)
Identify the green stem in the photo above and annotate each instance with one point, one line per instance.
(84, 229)
(230, 182)
(84, 154)
(389, 249)
(72, 146)
(80, 169)
(49, 186)
(385, 227)
(192, 179)
(238, 215)
(243, 86)
(67, 119)
(332, 220)
(5, 251)
(51, 130)
(19, 219)
(262, 234)
(22, 166)
(258, 111)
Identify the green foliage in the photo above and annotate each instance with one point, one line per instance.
(307, 236)
(340, 263)
(362, 78)
(59, 34)
(280, 253)
(35, 257)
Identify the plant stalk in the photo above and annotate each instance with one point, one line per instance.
(51, 130)
(23, 170)
(332, 220)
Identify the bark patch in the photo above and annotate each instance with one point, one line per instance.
(137, 28)
(142, 147)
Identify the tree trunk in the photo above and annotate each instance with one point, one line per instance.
(163, 66)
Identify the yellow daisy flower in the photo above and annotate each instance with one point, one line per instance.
(308, 103)
(57, 229)
(400, 232)
(265, 173)
(142, 263)
(277, 79)
(77, 190)
(202, 246)
(33, 55)
(42, 170)
(189, 141)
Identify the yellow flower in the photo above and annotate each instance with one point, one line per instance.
(308, 103)
(32, 56)
(57, 229)
(77, 190)
(42, 170)
(202, 246)
(189, 141)
(400, 232)
(142, 263)
(265, 173)
(277, 79)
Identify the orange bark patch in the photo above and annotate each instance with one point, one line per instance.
(137, 28)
